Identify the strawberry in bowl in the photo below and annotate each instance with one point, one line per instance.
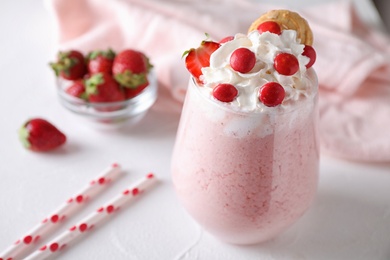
(107, 87)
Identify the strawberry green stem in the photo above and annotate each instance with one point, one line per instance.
(91, 84)
(131, 80)
(64, 63)
(23, 136)
(109, 54)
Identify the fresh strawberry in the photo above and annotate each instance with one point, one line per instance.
(39, 135)
(198, 58)
(226, 39)
(70, 65)
(100, 61)
(102, 87)
(309, 52)
(132, 92)
(77, 89)
(131, 68)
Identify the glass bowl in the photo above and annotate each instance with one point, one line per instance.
(110, 114)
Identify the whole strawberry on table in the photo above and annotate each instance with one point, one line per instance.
(39, 135)
(103, 76)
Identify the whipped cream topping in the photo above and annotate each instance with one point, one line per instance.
(265, 46)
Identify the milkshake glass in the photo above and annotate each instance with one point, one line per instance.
(247, 175)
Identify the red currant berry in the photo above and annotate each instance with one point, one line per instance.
(286, 64)
(225, 92)
(226, 39)
(309, 52)
(269, 26)
(271, 94)
(242, 60)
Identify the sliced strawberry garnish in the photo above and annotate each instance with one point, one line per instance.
(309, 52)
(226, 39)
(200, 57)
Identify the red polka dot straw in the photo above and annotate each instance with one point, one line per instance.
(71, 206)
(93, 219)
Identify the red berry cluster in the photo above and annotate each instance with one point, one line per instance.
(243, 60)
(103, 76)
(272, 93)
(283, 62)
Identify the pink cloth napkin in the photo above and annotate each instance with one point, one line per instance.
(353, 63)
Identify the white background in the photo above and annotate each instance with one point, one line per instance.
(350, 218)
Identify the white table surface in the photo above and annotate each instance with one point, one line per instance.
(350, 219)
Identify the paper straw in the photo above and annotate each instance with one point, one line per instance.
(93, 219)
(47, 226)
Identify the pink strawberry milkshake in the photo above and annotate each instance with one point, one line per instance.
(246, 171)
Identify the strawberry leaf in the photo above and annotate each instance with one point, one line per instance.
(131, 80)
(109, 54)
(64, 64)
(91, 84)
(186, 53)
